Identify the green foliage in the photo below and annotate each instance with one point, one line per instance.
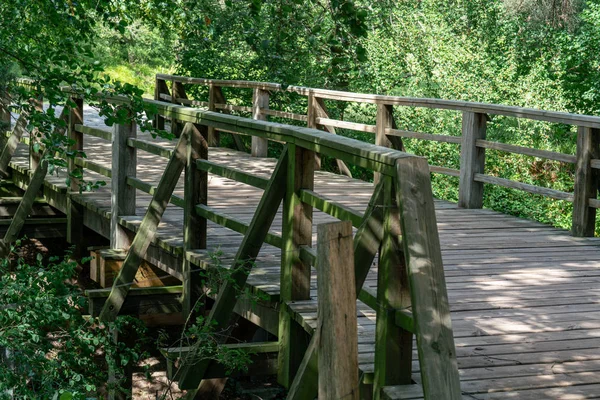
(49, 347)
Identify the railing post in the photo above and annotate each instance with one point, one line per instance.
(160, 87)
(194, 226)
(393, 344)
(34, 137)
(586, 181)
(338, 357)
(124, 163)
(214, 138)
(260, 100)
(295, 273)
(385, 120)
(178, 92)
(74, 209)
(5, 116)
(472, 160)
(311, 121)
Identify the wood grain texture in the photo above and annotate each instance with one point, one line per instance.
(260, 101)
(472, 160)
(338, 359)
(586, 182)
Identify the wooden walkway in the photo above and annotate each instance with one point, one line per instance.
(525, 297)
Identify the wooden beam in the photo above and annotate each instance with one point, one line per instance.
(367, 240)
(320, 111)
(191, 375)
(338, 359)
(178, 92)
(393, 345)
(472, 160)
(147, 229)
(194, 225)
(220, 99)
(123, 196)
(586, 182)
(295, 273)
(11, 144)
(435, 342)
(24, 209)
(232, 173)
(260, 100)
(160, 88)
(35, 137)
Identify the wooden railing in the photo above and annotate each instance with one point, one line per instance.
(472, 140)
(402, 197)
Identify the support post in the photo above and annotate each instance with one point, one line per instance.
(311, 122)
(74, 209)
(260, 100)
(586, 182)
(178, 93)
(295, 273)
(35, 151)
(124, 164)
(214, 138)
(429, 297)
(337, 359)
(5, 116)
(393, 345)
(160, 87)
(472, 160)
(385, 120)
(194, 226)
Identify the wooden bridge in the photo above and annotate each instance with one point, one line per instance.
(445, 292)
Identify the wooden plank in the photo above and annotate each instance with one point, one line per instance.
(178, 92)
(260, 101)
(147, 231)
(295, 273)
(423, 136)
(35, 137)
(214, 139)
(194, 225)
(232, 173)
(385, 121)
(393, 345)
(24, 208)
(287, 115)
(552, 193)
(219, 97)
(472, 160)
(233, 223)
(76, 138)
(338, 359)
(435, 343)
(160, 88)
(367, 240)
(509, 148)
(151, 190)
(124, 164)
(92, 166)
(150, 147)
(11, 144)
(95, 132)
(586, 182)
(319, 110)
(191, 375)
(331, 207)
(355, 126)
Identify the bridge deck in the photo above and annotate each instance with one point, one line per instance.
(524, 296)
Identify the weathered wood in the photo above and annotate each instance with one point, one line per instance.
(331, 207)
(393, 345)
(11, 144)
(96, 132)
(472, 160)
(526, 187)
(384, 122)
(191, 375)
(124, 165)
(232, 173)
(509, 148)
(76, 138)
(35, 138)
(287, 115)
(435, 342)
(423, 136)
(586, 182)
(317, 109)
(24, 209)
(295, 273)
(355, 126)
(5, 116)
(367, 241)
(160, 88)
(338, 359)
(260, 100)
(194, 225)
(178, 92)
(214, 139)
(219, 98)
(147, 230)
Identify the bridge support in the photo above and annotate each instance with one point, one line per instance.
(472, 160)
(586, 182)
